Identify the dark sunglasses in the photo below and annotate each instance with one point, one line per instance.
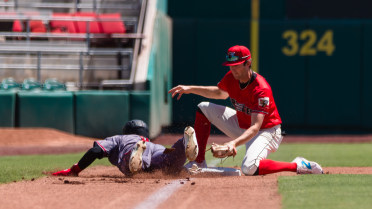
(232, 58)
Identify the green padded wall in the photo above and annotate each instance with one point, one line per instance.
(286, 74)
(184, 67)
(7, 108)
(315, 91)
(140, 106)
(334, 81)
(198, 53)
(272, 9)
(269, 9)
(366, 75)
(46, 109)
(209, 8)
(100, 114)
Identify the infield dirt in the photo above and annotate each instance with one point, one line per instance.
(107, 187)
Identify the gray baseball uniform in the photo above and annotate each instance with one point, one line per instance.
(119, 148)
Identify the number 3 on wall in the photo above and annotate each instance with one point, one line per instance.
(310, 47)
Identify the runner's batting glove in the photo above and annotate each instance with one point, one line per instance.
(222, 151)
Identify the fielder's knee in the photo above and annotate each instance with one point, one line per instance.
(249, 169)
(203, 105)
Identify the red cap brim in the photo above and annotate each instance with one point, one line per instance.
(227, 63)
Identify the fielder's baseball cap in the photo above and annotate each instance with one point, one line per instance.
(236, 55)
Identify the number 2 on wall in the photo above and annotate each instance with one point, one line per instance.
(311, 46)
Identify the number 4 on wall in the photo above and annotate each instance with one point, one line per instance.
(311, 45)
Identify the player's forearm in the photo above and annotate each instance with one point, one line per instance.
(212, 92)
(246, 136)
(256, 120)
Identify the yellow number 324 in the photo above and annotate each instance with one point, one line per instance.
(310, 46)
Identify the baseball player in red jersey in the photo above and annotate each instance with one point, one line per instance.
(254, 121)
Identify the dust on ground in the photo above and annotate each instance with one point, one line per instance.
(107, 187)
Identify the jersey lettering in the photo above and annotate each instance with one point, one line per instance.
(240, 107)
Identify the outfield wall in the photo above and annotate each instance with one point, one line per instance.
(319, 68)
(7, 109)
(95, 114)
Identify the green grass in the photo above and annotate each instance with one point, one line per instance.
(15, 168)
(343, 155)
(326, 191)
(302, 191)
(322, 191)
(328, 155)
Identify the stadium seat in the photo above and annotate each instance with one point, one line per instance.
(37, 26)
(52, 84)
(62, 26)
(9, 84)
(112, 27)
(17, 26)
(94, 26)
(31, 84)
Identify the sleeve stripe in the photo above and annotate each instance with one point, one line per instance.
(259, 111)
(101, 147)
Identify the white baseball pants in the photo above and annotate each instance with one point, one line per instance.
(257, 149)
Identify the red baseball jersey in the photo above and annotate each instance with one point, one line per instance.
(256, 97)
